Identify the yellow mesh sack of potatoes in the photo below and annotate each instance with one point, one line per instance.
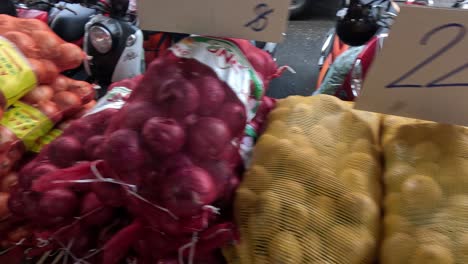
(426, 192)
(311, 194)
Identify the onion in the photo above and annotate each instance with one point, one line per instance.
(26, 178)
(39, 70)
(39, 94)
(59, 203)
(109, 193)
(186, 190)
(67, 102)
(164, 136)
(123, 151)
(65, 151)
(100, 214)
(24, 203)
(179, 97)
(92, 147)
(7, 23)
(60, 84)
(212, 94)
(51, 72)
(208, 138)
(18, 234)
(51, 110)
(235, 116)
(29, 25)
(176, 161)
(70, 56)
(4, 204)
(83, 90)
(8, 182)
(24, 42)
(135, 115)
(47, 42)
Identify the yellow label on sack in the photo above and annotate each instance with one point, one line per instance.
(16, 75)
(26, 122)
(45, 140)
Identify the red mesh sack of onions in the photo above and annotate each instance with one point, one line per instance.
(177, 147)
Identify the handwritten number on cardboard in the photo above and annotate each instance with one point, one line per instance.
(424, 40)
(260, 22)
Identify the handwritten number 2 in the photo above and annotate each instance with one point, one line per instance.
(260, 22)
(424, 40)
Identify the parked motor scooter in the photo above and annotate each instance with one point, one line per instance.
(350, 84)
(114, 44)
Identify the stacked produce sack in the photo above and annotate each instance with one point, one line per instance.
(154, 181)
(33, 95)
(312, 193)
(426, 201)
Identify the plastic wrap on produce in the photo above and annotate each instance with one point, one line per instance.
(312, 192)
(426, 200)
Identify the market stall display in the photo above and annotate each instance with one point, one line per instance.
(426, 201)
(312, 193)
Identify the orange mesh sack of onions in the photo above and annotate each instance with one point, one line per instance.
(426, 186)
(31, 54)
(312, 192)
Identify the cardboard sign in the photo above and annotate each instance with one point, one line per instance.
(263, 20)
(422, 71)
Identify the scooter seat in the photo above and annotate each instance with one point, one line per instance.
(71, 27)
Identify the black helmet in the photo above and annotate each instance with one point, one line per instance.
(361, 20)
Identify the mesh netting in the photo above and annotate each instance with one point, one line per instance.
(426, 201)
(312, 192)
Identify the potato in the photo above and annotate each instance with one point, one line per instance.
(432, 254)
(257, 179)
(461, 248)
(396, 174)
(312, 247)
(360, 161)
(427, 236)
(364, 145)
(277, 128)
(285, 248)
(358, 208)
(397, 249)
(244, 204)
(393, 203)
(290, 191)
(322, 140)
(295, 218)
(355, 180)
(396, 224)
(279, 113)
(350, 245)
(326, 183)
(426, 151)
(420, 194)
(301, 164)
